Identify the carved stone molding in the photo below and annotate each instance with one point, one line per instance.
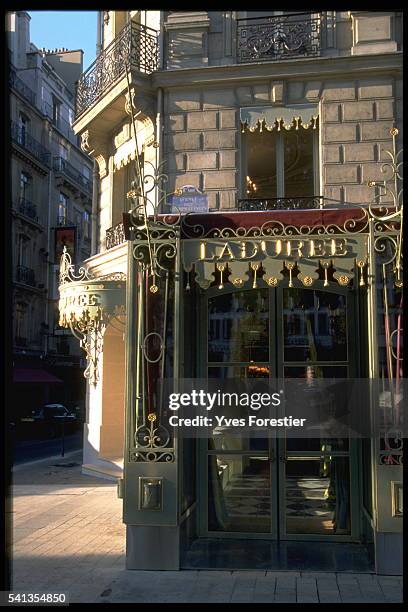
(142, 104)
(97, 146)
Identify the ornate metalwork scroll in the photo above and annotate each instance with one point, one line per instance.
(386, 211)
(87, 305)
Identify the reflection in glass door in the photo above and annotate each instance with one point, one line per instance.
(314, 473)
(278, 488)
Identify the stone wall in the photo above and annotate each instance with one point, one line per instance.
(202, 141)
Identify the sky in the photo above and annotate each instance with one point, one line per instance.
(69, 29)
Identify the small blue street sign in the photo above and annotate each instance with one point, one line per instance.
(190, 200)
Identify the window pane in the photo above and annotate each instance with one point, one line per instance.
(238, 327)
(261, 165)
(298, 152)
(318, 495)
(315, 325)
(239, 493)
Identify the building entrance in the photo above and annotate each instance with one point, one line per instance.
(291, 488)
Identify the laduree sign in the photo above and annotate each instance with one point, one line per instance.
(190, 199)
(240, 257)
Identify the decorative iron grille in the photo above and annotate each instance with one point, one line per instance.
(264, 39)
(136, 46)
(303, 203)
(115, 235)
(29, 143)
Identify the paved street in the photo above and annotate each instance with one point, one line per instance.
(68, 536)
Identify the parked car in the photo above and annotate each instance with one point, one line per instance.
(52, 417)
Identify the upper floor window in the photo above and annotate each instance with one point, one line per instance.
(24, 250)
(62, 209)
(86, 172)
(25, 185)
(63, 151)
(280, 156)
(86, 224)
(24, 125)
(56, 110)
(20, 322)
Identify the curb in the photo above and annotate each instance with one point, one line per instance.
(20, 466)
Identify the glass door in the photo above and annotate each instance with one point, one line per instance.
(240, 472)
(268, 487)
(317, 476)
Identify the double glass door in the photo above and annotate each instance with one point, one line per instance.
(292, 488)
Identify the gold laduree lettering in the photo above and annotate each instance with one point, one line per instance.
(80, 299)
(291, 249)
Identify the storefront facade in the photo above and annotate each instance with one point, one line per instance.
(294, 272)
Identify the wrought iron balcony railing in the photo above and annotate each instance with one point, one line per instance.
(136, 46)
(62, 165)
(303, 203)
(115, 235)
(265, 39)
(27, 208)
(19, 85)
(25, 275)
(25, 140)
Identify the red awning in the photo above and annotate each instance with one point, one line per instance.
(347, 217)
(31, 375)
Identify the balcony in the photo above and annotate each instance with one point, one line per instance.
(115, 235)
(25, 275)
(266, 39)
(64, 167)
(37, 150)
(303, 203)
(136, 47)
(23, 89)
(28, 209)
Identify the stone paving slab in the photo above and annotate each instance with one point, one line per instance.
(69, 535)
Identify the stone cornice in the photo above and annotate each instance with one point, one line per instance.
(300, 68)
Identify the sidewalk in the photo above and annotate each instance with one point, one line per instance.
(69, 536)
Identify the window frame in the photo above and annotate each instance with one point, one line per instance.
(280, 163)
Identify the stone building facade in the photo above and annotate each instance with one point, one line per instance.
(51, 197)
(255, 111)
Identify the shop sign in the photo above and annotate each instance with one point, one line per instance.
(65, 237)
(287, 248)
